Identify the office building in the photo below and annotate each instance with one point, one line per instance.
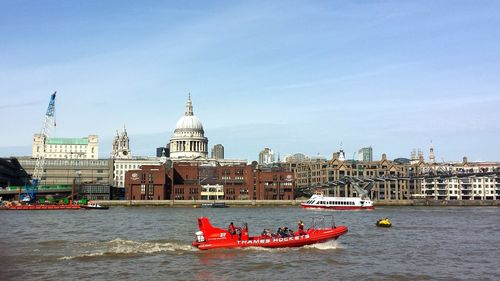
(66, 148)
(218, 151)
(365, 154)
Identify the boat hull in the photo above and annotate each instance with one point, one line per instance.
(319, 201)
(94, 207)
(214, 205)
(309, 238)
(44, 207)
(306, 206)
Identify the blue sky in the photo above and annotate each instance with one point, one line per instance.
(295, 76)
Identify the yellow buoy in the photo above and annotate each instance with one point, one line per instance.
(385, 222)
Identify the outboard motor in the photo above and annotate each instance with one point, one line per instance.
(199, 236)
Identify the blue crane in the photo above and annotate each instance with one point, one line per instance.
(49, 123)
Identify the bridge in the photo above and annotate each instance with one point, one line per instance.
(45, 189)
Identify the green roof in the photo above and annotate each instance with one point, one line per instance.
(69, 141)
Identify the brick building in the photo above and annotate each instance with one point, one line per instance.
(194, 181)
(149, 182)
(274, 183)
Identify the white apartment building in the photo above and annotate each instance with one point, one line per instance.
(121, 166)
(66, 148)
(462, 188)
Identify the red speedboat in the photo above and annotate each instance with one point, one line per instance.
(210, 237)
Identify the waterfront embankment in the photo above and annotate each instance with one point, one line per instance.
(235, 203)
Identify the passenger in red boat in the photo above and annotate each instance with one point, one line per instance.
(301, 227)
(231, 229)
(266, 232)
(238, 231)
(287, 232)
(280, 232)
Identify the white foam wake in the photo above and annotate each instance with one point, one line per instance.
(328, 245)
(119, 247)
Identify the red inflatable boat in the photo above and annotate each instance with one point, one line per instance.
(210, 237)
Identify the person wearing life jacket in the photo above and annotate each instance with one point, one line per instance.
(280, 232)
(301, 227)
(285, 232)
(231, 229)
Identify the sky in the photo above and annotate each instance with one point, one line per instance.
(294, 76)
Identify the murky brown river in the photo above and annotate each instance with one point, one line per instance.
(139, 243)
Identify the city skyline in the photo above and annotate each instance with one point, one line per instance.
(292, 76)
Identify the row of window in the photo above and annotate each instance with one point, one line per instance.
(475, 192)
(463, 187)
(336, 203)
(65, 145)
(129, 166)
(67, 162)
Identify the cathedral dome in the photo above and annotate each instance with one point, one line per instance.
(189, 139)
(189, 123)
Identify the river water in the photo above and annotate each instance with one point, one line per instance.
(141, 243)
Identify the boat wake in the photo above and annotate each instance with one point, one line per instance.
(123, 248)
(329, 245)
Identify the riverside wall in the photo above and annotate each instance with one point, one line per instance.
(277, 203)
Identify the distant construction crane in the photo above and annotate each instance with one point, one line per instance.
(48, 124)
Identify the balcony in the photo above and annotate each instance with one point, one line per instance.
(441, 186)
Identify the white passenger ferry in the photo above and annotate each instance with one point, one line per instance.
(318, 201)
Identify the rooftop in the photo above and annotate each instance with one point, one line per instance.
(68, 141)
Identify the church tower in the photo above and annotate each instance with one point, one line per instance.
(432, 158)
(121, 146)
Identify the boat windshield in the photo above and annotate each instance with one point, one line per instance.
(325, 221)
